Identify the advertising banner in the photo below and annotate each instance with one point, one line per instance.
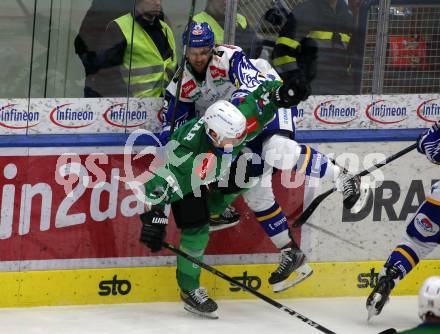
(97, 223)
(116, 115)
(75, 210)
(398, 189)
(74, 207)
(78, 115)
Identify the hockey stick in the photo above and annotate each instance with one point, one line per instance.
(312, 207)
(218, 273)
(181, 69)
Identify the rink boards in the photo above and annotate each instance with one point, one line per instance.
(152, 284)
(84, 248)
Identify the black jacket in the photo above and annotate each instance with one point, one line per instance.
(333, 74)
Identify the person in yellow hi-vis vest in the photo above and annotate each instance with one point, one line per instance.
(143, 48)
(245, 35)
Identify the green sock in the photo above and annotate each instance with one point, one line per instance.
(217, 202)
(192, 241)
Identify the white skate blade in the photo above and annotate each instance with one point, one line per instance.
(208, 315)
(372, 309)
(301, 274)
(365, 193)
(371, 312)
(213, 228)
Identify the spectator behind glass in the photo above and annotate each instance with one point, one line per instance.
(330, 24)
(90, 41)
(245, 35)
(142, 50)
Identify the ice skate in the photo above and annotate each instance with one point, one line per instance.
(197, 301)
(292, 270)
(227, 219)
(355, 194)
(380, 294)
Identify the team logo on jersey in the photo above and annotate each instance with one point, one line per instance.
(332, 113)
(68, 117)
(13, 116)
(429, 110)
(248, 74)
(217, 72)
(381, 112)
(251, 125)
(187, 88)
(425, 226)
(197, 30)
(207, 165)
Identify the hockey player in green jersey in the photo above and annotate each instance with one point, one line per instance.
(429, 309)
(199, 136)
(224, 72)
(199, 154)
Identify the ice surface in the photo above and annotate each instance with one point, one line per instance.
(341, 315)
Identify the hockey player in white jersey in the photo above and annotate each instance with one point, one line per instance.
(224, 72)
(422, 233)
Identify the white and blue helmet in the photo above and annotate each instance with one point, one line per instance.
(201, 35)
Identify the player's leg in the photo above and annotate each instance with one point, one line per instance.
(261, 200)
(222, 214)
(283, 153)
(191, 216)
(421, 237)
(225, 192)
(292, 268)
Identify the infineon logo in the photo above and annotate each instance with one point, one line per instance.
(66, 117)
(118, 115)
(12, 117)
(382, 112)
(429, 110)
(329, 113)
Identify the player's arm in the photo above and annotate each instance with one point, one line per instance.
(185, 110)
(169, 184)
(269, 96)
(242, 71)
(155, 220)
(428, 143)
